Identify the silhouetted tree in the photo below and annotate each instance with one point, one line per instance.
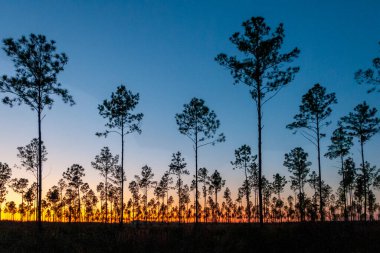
(145, 182)
(30, 195)
(204, 179)
(134, 189)
(362, 124)
(19, 186)
(106, 164)
(340, 146)
(370, 76)
(297, 164)
(5, 175)
(37, 65)
(314, 185)
(74, 175)
(52, 196)
(177, 167)
(245, 160)
(261, 69)
(29, 156)
(278, 185)
(162, 189)
(349, 170)
(121, 120)
(62, 186)
(314, 111)
(199, 124)
(216, 185)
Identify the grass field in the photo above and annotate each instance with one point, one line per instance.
(151, 237)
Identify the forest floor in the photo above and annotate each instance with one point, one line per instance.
(155, 237)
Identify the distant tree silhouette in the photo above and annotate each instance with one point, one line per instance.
(62, 186)
(29, 156)
(30, 195)
(278, 185)
(121, 120)
(261, 69)
(177, 167)
(370, 76)
(161, 191)
(350, 174)
(52, 196)
(216, 185)
(11, 208)
(90, 200)
(229, 203)
(199, 124)
(37, 65)
(313, 181)
(340, 146)
(297, 164)
(145, 182)
(106, 164)
(204, 179)
(314, 111)
(245, 160)
(134, 189)
(5, 175)
(74, 175)
(362, 124)
(19, 186)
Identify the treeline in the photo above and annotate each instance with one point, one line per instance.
(265, 70)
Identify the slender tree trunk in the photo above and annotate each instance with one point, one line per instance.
(106, 195)
(365, 180)
(179, 199)
(259, 128)
(344, 191)
(122, 176)
(247, 193)
(39, 183)
(196, 175)
(320, 174)
(78, 204)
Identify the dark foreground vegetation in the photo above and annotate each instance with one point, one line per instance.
(154, 237)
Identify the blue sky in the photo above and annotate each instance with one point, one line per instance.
(165, 51)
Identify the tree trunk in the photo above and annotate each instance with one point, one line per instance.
(344, 191)
(122, 177)
(247, 193)
(196, 175)
(320, 174)
(365, 179)
(259, 128)
(39, 183)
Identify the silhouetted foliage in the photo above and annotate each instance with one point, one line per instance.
(246, 161)
(5, 175)
(340, 146)
(362, 124)
(74, 175)
(370, 76)
(216, 185)
(121, 120)
(261, 69)
(314, 111)
(106, 164)
(297, 164)
(145, 182)
(199, 124)
(177, 167)
(35, 82)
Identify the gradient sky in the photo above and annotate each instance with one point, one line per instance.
(165, 51)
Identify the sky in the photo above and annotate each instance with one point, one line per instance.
(165, 51)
